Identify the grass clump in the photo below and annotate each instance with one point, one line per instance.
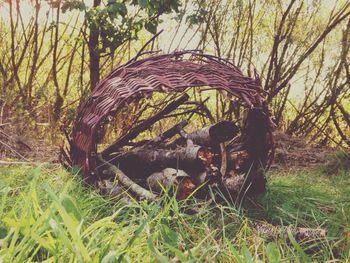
(47, 215)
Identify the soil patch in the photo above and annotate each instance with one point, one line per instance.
(292, 152)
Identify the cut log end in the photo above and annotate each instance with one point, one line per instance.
(214, 134)
(205, 156)
(223, 131)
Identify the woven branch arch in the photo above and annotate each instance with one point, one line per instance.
(168, 73)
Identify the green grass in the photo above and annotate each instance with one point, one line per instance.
(46, 214)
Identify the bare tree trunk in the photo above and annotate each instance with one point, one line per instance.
(35, 54)
(59, 100)
(94, 52)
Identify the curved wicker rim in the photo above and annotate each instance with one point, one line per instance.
(173, 72)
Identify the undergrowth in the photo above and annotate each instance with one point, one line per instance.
(46, 214)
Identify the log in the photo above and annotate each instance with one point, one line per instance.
(127, 182)
(115, 191)
(212, 135)
(234, 184)
(169, 177)
(185, 189)
(109, 188)
(134, 132)
(223, 153)
(170, 132)
(237, 158)
(210, 178)
(143, 161)
(299, 233)
(166, 178)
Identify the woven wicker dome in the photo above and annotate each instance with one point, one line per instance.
(162, 73)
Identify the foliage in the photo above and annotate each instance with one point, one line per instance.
(46, 214)
(121, 21)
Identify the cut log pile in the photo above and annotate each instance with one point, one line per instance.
(189, 163)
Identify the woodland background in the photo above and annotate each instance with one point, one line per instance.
(53, 53)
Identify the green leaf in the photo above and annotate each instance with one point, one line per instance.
(122, 9)
(151, 27)
(155, 251)
(175, 6)
(3, 231)
(347, 249)
(71, 208)
(273, 253)
(143, 3)
(70, 223)
(169, 236)
(71, 5)
(247, 256)
(236, 255)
